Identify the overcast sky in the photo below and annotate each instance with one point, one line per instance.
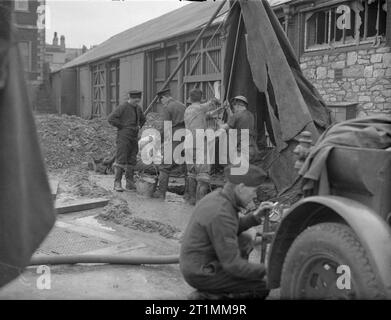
(91, 22)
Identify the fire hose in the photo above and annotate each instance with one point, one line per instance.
(104, 259)
(139, 260)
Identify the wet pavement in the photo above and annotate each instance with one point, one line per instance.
(84, 233)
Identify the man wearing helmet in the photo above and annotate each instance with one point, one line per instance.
(242, 118)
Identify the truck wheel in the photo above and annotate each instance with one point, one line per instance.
(311, 265)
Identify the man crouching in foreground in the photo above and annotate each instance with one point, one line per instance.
(215, 248)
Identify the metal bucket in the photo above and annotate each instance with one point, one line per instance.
(145, 185)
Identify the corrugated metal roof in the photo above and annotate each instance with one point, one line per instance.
(180, 21)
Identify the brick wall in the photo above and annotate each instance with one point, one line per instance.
(26, 29)
(362, 76)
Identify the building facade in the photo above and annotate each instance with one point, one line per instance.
(57, 54)
(343, 48)
(29, 26)
(142, 58)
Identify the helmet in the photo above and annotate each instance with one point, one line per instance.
(241, 98)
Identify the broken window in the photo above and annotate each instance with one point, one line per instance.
(348, 23)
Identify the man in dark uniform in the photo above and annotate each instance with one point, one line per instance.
(242, 118)
(215, 248)
(128, 118)
(173, 111)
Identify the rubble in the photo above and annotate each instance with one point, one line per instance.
(69, 140)
(76, 182)
(117, 211)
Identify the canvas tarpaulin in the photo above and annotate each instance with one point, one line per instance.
(370, 132)
(26, 208)
(261, 65)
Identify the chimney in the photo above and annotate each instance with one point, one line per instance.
(84, 49)
(55, 39)
(62, 42)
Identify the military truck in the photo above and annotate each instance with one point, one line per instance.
(338, 246)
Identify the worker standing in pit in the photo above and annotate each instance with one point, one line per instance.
(128, 118)
(242, 118)
(215, 247)
(198, 172)
(173, 111)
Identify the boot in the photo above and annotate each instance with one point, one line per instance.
(192, 187)
(202, 190)
(129, 178)
(163, 185)
(117, 178)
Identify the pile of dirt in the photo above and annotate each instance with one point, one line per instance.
(67, 141)
(75, 183)
(153, 120)
(117, 211)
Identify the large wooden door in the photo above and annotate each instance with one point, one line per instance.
(98, 90)
(163, 64)
(203, 67)
(113, 85)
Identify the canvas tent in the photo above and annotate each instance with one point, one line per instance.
(261, 65)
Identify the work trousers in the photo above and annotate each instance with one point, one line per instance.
(219, 281)
(127, 149)
(166, 166)
(201, 166)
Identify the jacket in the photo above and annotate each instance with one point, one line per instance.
(211, 238)
(127, 118)
(174, 111)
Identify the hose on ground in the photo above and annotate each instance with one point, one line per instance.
(106, 259)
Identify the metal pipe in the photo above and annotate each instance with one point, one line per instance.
(180, 63)
(106, 259)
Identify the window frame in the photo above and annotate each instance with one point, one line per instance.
(331, 44)
(28, 67)
(23, 9)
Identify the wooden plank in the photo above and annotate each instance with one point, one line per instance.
(203, 77)
(80, 205)
(388, 23)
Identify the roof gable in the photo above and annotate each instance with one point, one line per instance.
(180, 21)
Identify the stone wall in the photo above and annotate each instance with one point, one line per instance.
(362, 76)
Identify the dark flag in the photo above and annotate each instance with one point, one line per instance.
(26, 208)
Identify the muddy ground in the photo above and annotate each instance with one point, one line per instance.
(131, 224)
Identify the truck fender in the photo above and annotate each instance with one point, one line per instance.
(371, 230)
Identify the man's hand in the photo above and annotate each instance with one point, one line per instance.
(263, 209)
(215, 102)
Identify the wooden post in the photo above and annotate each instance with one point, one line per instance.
(223, 38)
(388, 22)
(180, 72)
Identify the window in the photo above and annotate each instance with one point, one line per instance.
(49, 57)
(365, 22)
(24, 48)
(21, 5)
(343, 111)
